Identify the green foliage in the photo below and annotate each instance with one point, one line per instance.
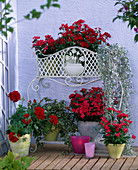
(128, 13)
(10, 162)
(66, 121)
(6, 18)
(16, 124)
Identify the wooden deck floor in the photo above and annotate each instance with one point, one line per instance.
(50, 157)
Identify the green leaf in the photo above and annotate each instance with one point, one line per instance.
(55, 0)
(27, 17)
(56, 5)
(10, 29)
(4, 33)
(43, 6)
(7, 6)
(35, 14)
(136, 38)
(117, 3)
(10, 156)
(8, 20)
(2, 1)
(48, 3)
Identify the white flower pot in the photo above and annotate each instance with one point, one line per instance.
(21, 147)
(74, 69)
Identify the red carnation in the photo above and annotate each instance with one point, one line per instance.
(14, 96)
(53, 119)
(13, 138)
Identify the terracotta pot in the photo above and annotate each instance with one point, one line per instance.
(89, 129)
(21, 147)
(52, 135)
(115, 150)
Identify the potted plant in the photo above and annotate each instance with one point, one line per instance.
(115, 131)
(88, 107)
(51, 117)
(71, 39)
(20, 128)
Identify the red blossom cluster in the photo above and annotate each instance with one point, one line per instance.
(13, 138)
(88, 104)
(78, 34)
(39, 111)
(14, 96)
(26, 121)
(116, 130)
(53, 119)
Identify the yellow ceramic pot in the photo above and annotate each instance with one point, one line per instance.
(52, 135)
(21, 147)
(115, 150)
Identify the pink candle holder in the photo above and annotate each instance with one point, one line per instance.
(78, 143)
(89, 149)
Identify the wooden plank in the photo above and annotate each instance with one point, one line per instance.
(38, 162)
(80, 164)
(36, 158)
(90, 163)
(63, 162)
(47, 161)
(128, 163)
(134, 165)
(118, 164)
(73, 161)
(99, 164)
(55, 162)
(108, 164)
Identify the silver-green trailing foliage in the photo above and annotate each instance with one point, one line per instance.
(116, 76)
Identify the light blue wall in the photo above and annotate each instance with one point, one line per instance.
(98, 13)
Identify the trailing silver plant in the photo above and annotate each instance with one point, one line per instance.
(116, 75)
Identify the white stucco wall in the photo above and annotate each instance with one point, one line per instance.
(98, 13)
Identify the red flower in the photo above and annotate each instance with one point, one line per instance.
(118, 134)
(39, 111)
(107, 134)
(26, 115)
(125, 130)
(53, 119)
(36, 37)
(13, 138)
(14, 96)
(133, 136)
(34, 101)
(26, 122)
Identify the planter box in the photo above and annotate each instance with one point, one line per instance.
(53, 65)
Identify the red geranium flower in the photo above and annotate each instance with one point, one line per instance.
(14, 96)
(39, 111)
(26, 115)
(54, 119)
(26, 122)
(13, 138)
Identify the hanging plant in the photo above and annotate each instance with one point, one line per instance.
(116, 75)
